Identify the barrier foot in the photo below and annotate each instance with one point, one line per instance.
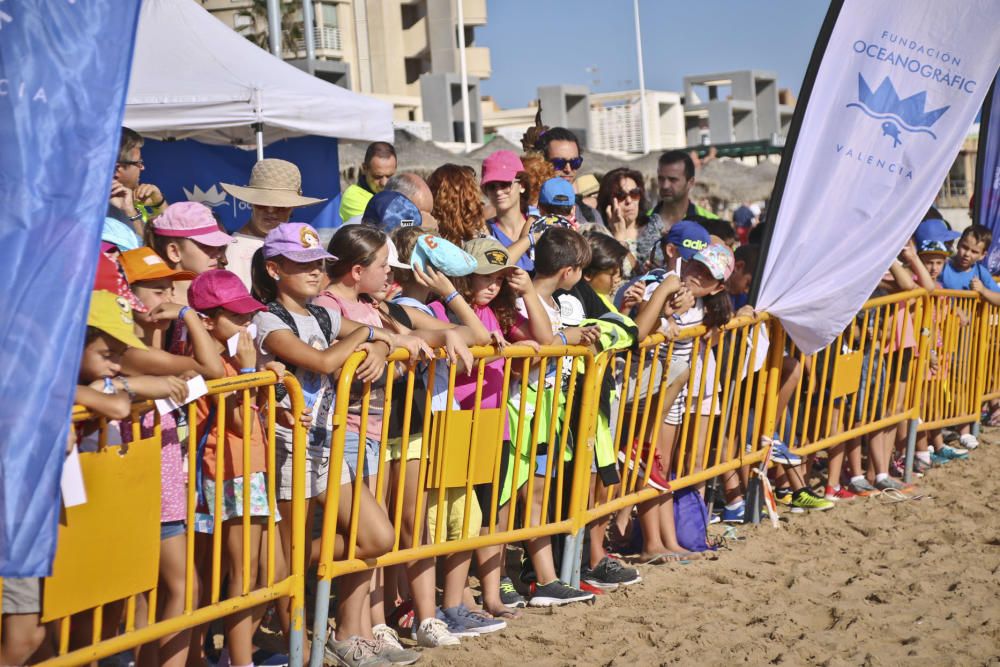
(911, 447)
(578, 560)
(320, 618)
(570, 560)
(754, 500)
(295, 654)
(975, 428)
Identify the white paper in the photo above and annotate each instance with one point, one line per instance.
(73, 491)
(235, 339)
(196, 389)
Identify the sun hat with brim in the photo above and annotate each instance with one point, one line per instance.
(490, 255)
(273, 182)
(719, 260)
(110, 279)
(442, 255)
(219, 288)
(191, 220)
(112, 315)
(144, 264)
(120, 235)
(587, 185)
(297, 241)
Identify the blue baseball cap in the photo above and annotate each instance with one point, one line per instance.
(689, 237)
(933, 230)
(119, 234)
(557, 192)
(389, 210)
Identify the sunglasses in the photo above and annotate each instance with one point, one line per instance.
(560, 163)
(132, 163)
(635, 194)
(494, 186)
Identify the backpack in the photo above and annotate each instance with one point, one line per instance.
(691, 519)
(325, 325)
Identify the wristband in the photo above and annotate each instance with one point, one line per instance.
(109, 386)
(183, 312)
(128, 389)
(371, 333)
(136, 217)
(448, 299)
(244, 371)
(156, 205)
(562, 337)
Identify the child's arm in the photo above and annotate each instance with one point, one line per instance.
(285, 345)
(989, 295)
(439, 283)
(111, 406)
(901, 277)
(146, 387)
(917, 268)
(648, 318)
(206, 361)
(538, 327)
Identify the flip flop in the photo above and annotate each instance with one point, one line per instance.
(668, 557)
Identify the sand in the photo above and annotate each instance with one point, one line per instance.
(868, 583)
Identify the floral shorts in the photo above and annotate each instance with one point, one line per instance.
(232, 501)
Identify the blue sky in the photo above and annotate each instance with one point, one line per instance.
(544, 42)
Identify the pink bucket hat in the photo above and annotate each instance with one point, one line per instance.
(718, 258)
(189, 219)
(295, 240)
(502, 166)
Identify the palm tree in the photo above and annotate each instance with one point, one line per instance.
(257, 31)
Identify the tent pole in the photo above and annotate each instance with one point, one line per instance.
(274, 27)
(259, 131)
(308, 29)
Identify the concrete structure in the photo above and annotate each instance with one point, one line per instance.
(567, 106)
(616, 121)
(442, 104)
(377, 47)
(732, 107)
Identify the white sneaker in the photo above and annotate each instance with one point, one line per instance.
(433, 632)
(968, 441)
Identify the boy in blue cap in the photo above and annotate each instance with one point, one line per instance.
(965, 272)
(556, 202)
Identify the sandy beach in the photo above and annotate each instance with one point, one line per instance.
(872, 582)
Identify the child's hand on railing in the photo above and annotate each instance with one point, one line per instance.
(374, 363)
(277, 367)
(457, 352)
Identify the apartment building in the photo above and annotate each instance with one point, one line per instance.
(377, 47)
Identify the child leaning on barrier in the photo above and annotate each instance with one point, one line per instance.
(228, 309)
(287, 273)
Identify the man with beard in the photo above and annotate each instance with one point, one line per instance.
(675, 175)
(274, 191)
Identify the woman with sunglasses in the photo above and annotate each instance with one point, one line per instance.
(621, 199)
(504, 182)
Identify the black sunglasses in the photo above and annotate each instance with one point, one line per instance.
(560, 163)
(635, 194)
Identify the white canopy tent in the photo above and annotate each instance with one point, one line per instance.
(195, 78)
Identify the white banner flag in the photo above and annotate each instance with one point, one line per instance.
(895, 94)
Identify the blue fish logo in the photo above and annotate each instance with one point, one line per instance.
(897, 114)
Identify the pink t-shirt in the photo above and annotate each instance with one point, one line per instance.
(173, 483)
(363, 313)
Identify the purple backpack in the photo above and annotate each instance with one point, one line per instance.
(691, 519)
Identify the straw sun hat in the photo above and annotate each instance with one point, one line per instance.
(273, 183)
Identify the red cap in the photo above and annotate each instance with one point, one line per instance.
(109, 278)
(219, 288)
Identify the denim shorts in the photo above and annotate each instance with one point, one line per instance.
(351, 442)
(170, 529)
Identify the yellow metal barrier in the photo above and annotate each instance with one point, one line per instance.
(990, 341)
(106, 567)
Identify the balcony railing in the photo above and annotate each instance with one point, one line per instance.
(326, 38)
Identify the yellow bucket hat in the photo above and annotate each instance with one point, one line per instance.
(112, 314)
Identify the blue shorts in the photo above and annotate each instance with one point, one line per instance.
(170, 529)
(351, 441)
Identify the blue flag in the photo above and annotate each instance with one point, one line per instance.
(986, 202)
(63, 76)
(188, 170)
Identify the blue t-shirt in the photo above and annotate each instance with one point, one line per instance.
(739, 300)
(524, 261)
(952, 279)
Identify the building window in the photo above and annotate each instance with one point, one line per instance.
(329, 14)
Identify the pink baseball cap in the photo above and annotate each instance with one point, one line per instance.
(219, 288)
(502, 166)
(189, 219)
(297, 241)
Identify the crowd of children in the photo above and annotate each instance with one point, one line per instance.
(537, 273)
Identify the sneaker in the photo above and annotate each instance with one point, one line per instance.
(952, 453)
(353, 652)
(863, 488)
(433, 632)
(968, 441)
(843, 493)
(919, 467)
(783, 496)
(610, 574)
(474, 621)
(937, 460)
(556, 594)
(509, 595)
(388, 647)
(657, 477)
(714, 519)
(806, 500)
(736, 515)
(897, 466)
(891, 483)
(781, 454)
(455, 624)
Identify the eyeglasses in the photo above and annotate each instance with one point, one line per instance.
(560, 163)
(635, 194)
(132, 163)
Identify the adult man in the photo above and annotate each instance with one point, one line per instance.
(415, 189)
(274, 191)
(675, 175)
(376, 170)
(562, 149)
(132, 202)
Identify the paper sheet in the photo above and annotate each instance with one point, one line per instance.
(196, 389)
(73, 491)
(235, 339)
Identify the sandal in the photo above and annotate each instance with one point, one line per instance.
(669, 557)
